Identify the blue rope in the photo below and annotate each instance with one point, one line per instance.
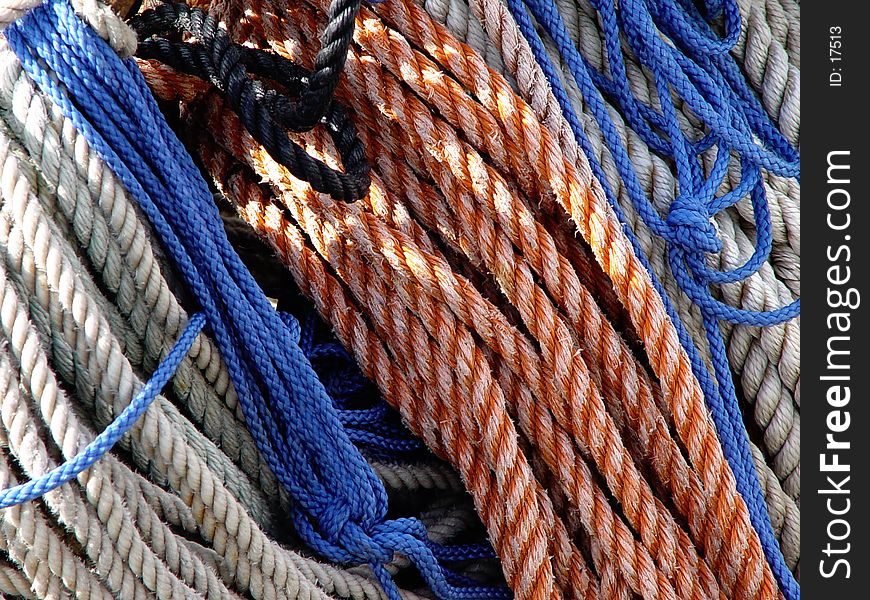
(698, 69)
(339, 505)
(101, 444)
(369, 421)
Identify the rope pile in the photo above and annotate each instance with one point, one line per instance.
(505, 346)
(429, 213)
(766, 359)
(87, 306)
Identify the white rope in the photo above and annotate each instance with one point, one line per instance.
(14, 583)
(76, 186)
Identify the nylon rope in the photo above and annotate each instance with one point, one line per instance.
(767, 359)
(325, 224)
(709, 82)
(379, 439)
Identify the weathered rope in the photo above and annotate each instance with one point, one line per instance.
(767, 359)
(400, 265)
(42, 137)
(103, 442)
(263, 111)
(705, 80)
(14, 583)
(430, 570)
(75, 162)
(369, 81)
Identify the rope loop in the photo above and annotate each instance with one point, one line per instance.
(680, 19)
(263, 110)
(689, 64)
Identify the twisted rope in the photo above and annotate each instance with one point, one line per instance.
(776, 360)
(415, 552)
(284, 40)
(704, 79)
(121, 221)
(263, 111)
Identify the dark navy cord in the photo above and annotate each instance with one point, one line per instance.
(262, 110)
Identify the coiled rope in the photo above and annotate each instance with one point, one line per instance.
(712, 87)
(766, 358)
(263, 111)
(320, 469)
(381, 257)
(103, 222)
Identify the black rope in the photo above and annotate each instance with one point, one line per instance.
(265, 112)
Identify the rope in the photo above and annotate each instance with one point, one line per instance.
(685, 228)
(64, 428)
(353, 548)
(539, 527)
(14, 583)
(384, 274)
(104, 221)
(769, 52)
(775, 360)
(101, 444)
(327, 224)
(41, 130)
(262, 110)
(368, 590)
(96, 14)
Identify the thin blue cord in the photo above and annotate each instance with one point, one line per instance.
(339, 505)
(100, 446)
(369, 421)
(700, 71)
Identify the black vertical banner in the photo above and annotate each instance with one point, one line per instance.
(835, 268)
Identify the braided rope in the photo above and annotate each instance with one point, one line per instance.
(356, 530)
(244, 150)
(107, 379)
(724, 403)
(325, 576)
(428, 407)
(99, 216)
(383, 258)
(98, 15)
(781, 360)
(770, 379)
(102, 217)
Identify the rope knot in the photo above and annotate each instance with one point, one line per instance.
(691, 226)
(338, 534)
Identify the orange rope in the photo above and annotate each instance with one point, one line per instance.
(414, 379)
(458, 158)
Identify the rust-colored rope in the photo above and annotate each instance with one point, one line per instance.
(493, 161)
(382, 93)
(423, 405)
